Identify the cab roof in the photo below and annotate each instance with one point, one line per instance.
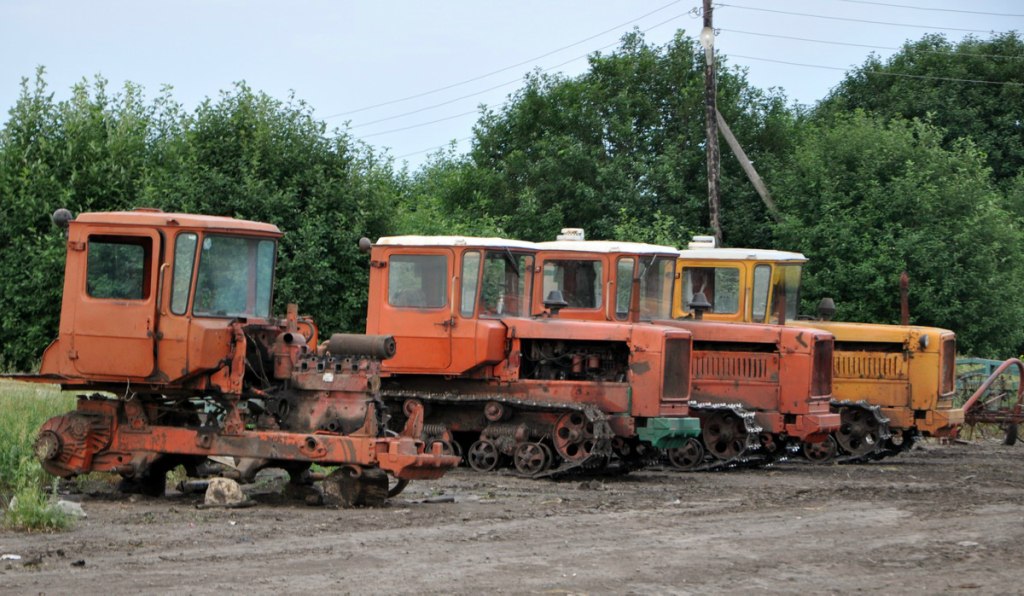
(608, 247)
(741, 254)
(455, 241)
(157, 218)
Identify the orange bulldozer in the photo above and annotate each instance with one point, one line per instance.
(169, 316)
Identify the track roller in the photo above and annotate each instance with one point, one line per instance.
(688, 457)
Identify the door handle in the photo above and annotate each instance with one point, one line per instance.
(447, 323)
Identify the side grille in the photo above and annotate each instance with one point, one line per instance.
(677, 369)
(948, 357)
(821, 374)
(869, 365)
(734, 365)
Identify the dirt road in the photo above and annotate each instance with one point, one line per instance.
(944, 518)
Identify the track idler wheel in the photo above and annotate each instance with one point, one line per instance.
(688, 457)
(349, 487)
(484, 456)
(532, 458)
(859, 431)
(821, 452)
(725, 435)
(574, 437)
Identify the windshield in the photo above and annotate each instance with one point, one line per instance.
(506, 286)
(235, 277)
(656, 280)
(788, 289)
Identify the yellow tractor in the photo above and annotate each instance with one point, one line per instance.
(907, 371)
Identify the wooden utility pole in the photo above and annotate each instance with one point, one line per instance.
(748, 167)
(711, 118)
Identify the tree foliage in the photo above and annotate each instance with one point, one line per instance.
(627, 136)
(907, 165)
(866, 200)
(245, 155)
(972, 89)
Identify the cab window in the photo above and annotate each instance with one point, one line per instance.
(720, 285)
(656, 281)
(623, 286)
(762, 282)
(506, 285)
(117, 267)
(235, 277)
(181, 281)
(578, 281)
(470, 277)
(418, 281)
(787, 289)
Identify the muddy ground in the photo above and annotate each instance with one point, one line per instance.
(942, 518)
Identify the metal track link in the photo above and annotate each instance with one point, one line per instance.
(884, 434)
(603, 433)
(749, 457)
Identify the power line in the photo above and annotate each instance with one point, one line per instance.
(444, 103)
(988, 14)
(484, 76)
(484, 91)
(881, 73)
(800, 64)
(869, 46)
(505, 84)
(411, 126)
(457, 141)
(818, 16)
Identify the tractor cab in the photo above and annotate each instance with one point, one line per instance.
(739, 284)
(597, 278)
(149, 296)
(906, 370)
(501, 368)
(443, 298)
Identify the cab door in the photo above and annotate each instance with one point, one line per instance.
(115, 326)
(415, 306)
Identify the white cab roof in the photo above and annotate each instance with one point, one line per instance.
(608, 246)
(454, 241)
(741, 254)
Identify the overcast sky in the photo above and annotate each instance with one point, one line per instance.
(342, 56)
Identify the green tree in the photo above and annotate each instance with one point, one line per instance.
(251, 156)
(245, 155)
(865, 199)
(971, 89)
(626, 138)
(87, 152)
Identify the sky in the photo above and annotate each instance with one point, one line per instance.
(409, 76)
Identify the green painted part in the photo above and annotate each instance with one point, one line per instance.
(668, 433)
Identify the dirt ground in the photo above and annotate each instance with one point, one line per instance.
(942, 518)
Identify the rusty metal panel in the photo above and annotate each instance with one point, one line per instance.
(871, 365)
(735, 365)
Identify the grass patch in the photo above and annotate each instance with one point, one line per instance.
(23, 409)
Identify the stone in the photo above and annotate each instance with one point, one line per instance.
(223, 492)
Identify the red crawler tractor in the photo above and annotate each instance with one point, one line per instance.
(549, 394)
(757, 389)
(892, 383)
(170, 314)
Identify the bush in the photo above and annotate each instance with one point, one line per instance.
(23, 409)
(33, 509)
